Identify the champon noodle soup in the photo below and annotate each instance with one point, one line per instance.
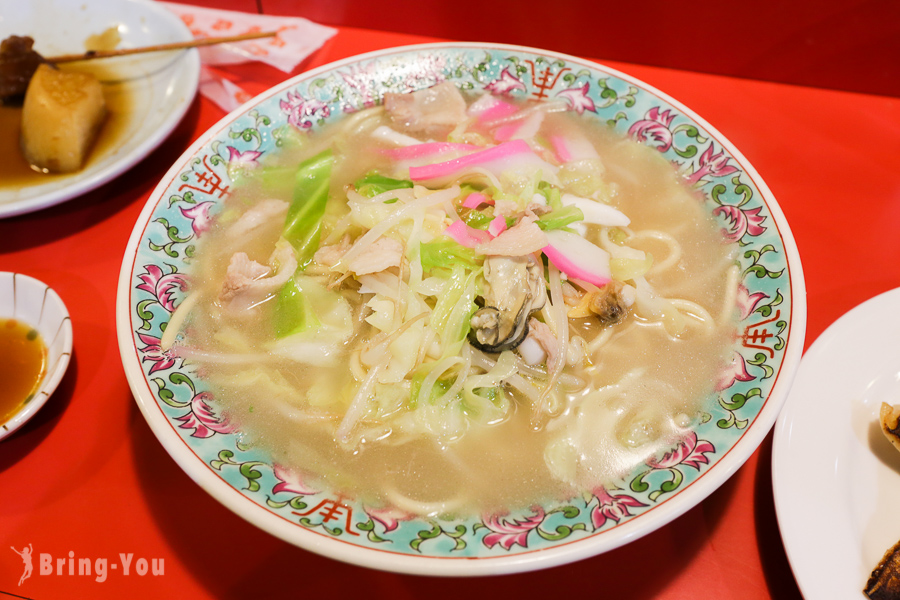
(455, 303)
(530, 327)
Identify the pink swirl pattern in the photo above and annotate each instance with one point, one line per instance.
(302, 113)
(290, 481)
(690, 451)
(747, 302)
(612, 507)
(655, 127)
(712, 165)
(198, 214)
(161, 285)
(389, 517)
(153, 353)
(202, 419)
(361, 79)
(736, 371)
(740, 222)
(247, 157)
(578, 99)
(511, 532)
(505, 84)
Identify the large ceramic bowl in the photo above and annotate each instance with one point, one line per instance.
(173, 396)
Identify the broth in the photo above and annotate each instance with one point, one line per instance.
(23, 363)
(637, 389)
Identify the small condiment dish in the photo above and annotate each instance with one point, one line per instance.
(35, 304)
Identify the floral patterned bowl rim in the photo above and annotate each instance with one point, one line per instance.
(36, 304)
(768, 344)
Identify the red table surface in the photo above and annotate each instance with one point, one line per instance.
(87, 476)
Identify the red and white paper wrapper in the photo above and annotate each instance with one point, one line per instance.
(297, 38)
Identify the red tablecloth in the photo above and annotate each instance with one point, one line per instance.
(87, 476)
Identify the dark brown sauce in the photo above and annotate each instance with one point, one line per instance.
(15, 172)
(23, 362)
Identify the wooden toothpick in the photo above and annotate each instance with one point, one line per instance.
(94, 54)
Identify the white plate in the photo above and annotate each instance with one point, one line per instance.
(836, 478)
(161, 85)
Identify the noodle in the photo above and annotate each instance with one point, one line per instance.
(698, 312)
(176, 321)
(428, 509)
(674, 250)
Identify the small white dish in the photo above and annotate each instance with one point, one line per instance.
(836, 478)
(160, 86)
(32, 302)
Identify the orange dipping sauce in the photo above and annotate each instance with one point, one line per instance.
(23, 362)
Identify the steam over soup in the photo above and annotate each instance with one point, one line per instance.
(454, 305)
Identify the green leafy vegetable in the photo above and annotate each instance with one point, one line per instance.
(275, 181)
(304, 306)
(479, 219)
(617, 236)
(552, 194)
(303, 224)
(439, 388)
(452, 313)
(373, 184)
(293, 311)
(444, 253)
(557, 219)
(467, 188)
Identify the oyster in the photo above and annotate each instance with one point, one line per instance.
(514, 289)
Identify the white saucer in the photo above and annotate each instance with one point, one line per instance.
(161, 85)
(836, 478)
(32, 302)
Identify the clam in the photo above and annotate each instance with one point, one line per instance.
(611, 302)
